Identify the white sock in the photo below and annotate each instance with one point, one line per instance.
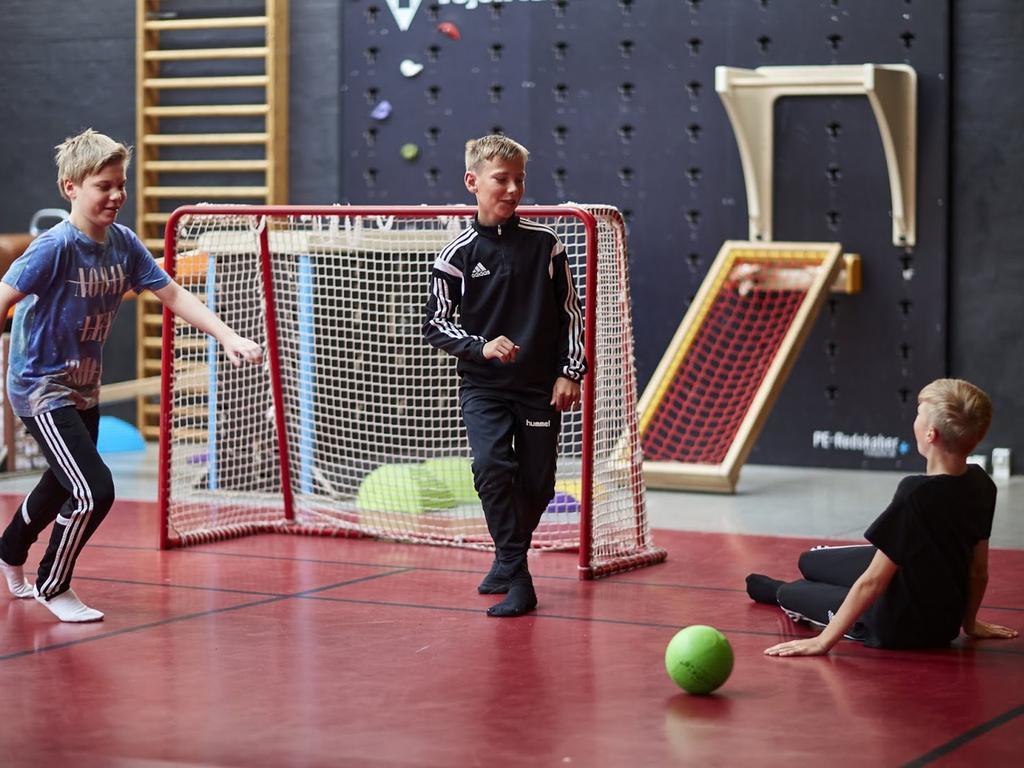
(67, 607)
(16, 581)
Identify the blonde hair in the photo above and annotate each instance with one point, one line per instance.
(85, 154)
(960, 411)
(493, 146)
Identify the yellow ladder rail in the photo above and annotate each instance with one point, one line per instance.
(244, 158)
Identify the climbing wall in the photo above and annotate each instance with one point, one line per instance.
(616, 101)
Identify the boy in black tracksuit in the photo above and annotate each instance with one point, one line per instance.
(519, 341)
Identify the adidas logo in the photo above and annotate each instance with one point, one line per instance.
(480, 271)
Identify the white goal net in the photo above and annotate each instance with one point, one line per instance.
(351, 426)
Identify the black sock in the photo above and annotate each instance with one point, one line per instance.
(495, 582)
(763, 589)
(521, 597)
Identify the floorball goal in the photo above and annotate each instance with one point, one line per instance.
(351, 426)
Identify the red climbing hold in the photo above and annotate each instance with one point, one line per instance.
(449, 29)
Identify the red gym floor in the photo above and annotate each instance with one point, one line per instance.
(295, 651)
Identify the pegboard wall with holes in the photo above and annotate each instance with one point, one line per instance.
(616, 101)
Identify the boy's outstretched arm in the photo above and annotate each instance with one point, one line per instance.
(193, 311)
(862, 594)
(976, 592)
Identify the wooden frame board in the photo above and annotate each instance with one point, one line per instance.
(827, 257)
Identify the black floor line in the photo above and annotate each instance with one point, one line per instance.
(186, 617)
(622, 578)
(965, 738)
(313, 593)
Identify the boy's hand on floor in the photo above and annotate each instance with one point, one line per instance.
(982, 630)
(808, 646)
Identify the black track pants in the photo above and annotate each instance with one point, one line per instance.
(828, 573)
(515, 444)
(75, 494)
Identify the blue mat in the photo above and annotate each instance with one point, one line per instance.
(117, 436)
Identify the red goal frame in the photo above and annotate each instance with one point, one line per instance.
(644, 554)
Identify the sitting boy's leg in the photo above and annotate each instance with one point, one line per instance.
(817, 603)
(840, 566)
(37, 511)
(68, 439)
(811, 600)
(763, 589)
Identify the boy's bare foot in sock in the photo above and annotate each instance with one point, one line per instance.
(67, 607)
(16, 581)
(495, 582)
(521, 597)
(763, 589)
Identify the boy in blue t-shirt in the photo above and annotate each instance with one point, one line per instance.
(68, 286)
(923, 575)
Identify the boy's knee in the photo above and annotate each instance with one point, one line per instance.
(493, 476)
(102, 488)
(803, 561)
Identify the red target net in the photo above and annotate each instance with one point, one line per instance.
(737, 340)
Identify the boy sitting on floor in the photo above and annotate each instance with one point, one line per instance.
(925, 571)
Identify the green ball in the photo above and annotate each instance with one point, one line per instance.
(406, 488)
(456, 474)
(698, 659)
(410, 151)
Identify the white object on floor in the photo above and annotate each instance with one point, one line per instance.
(67, 607)
(16, 581)
(1001, 465)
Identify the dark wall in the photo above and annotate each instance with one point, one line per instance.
(55, 80)
(987, 222)
(617, 103)
(616, 100)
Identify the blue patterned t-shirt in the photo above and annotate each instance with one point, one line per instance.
(74, 288)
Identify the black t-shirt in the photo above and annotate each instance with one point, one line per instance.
(929, 530)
